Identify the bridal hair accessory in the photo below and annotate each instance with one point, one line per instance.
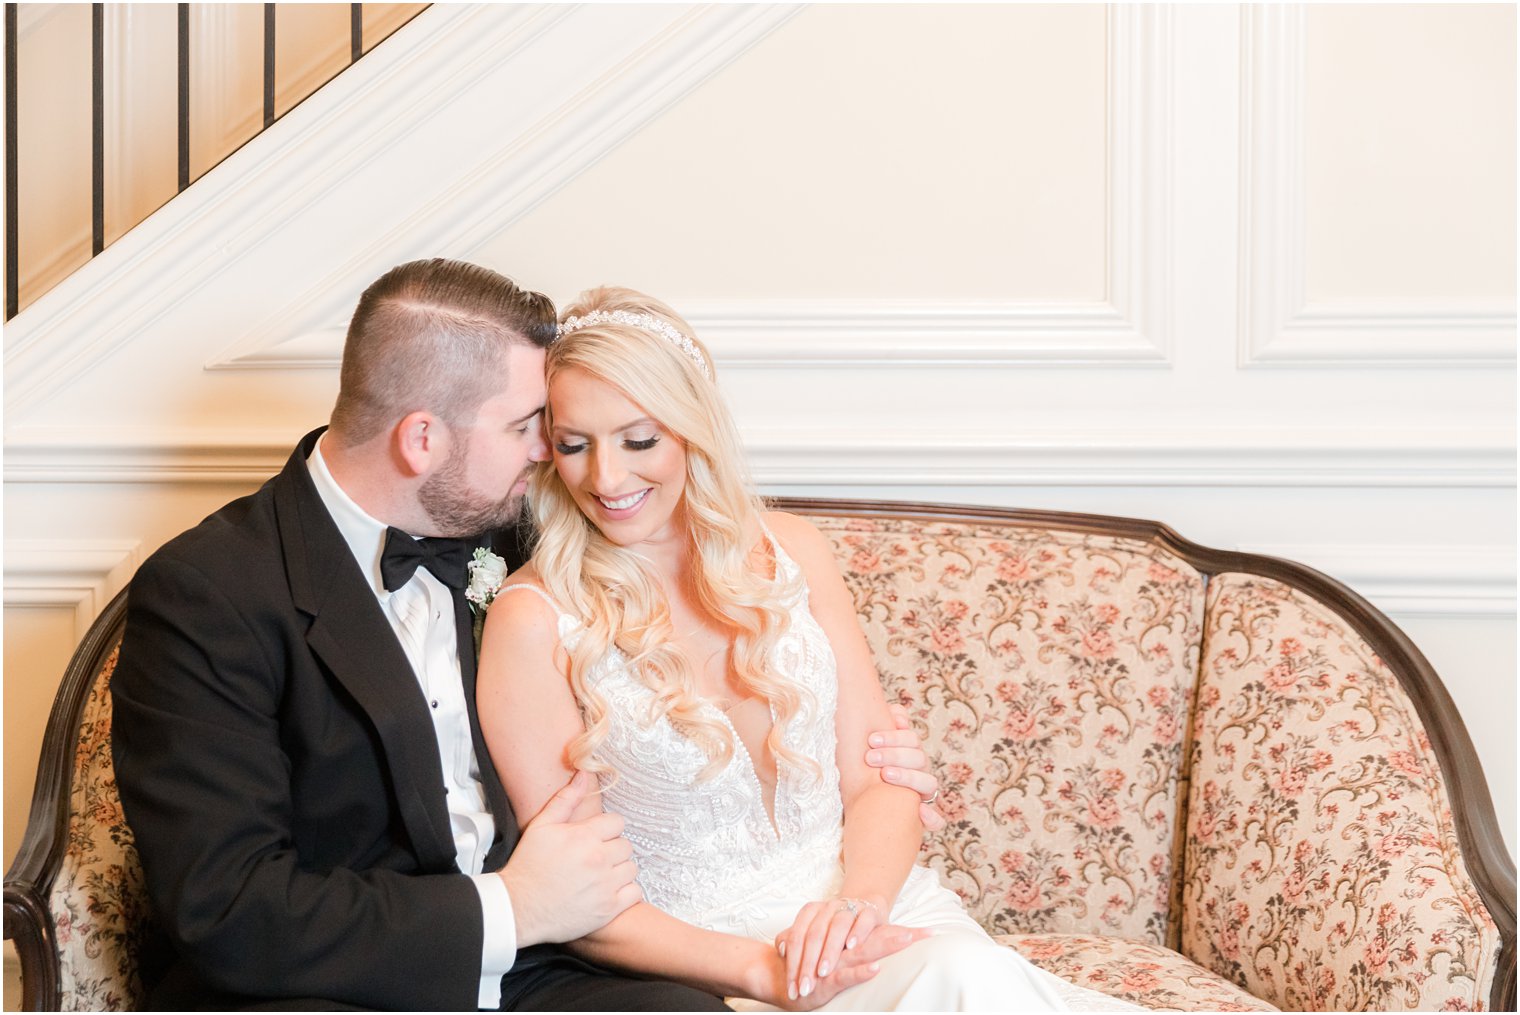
(646, 322)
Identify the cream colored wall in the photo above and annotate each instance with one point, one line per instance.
(1202, 264)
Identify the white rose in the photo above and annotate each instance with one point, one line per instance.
(487, 572)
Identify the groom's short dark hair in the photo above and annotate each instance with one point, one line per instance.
(432, 335)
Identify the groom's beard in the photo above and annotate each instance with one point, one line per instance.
(455, 509)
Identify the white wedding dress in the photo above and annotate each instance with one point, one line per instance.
(708, 853)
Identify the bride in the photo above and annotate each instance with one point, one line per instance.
(701, 656)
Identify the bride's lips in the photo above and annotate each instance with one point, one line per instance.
(619, 508)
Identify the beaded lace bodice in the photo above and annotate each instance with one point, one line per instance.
(706, 850)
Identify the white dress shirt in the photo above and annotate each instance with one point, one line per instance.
(421, 613)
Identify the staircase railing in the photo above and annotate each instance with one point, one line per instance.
(16, 256)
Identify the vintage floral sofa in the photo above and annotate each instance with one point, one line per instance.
(1194, 779)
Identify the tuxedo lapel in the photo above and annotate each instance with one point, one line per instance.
(496, 796)
(352, 638)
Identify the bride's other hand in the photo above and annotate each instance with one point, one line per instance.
(899, 755)
(856, 965)
(820, 935)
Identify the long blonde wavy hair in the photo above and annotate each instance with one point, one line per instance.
(614, 590)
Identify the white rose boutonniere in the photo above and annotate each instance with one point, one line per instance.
(487, 573)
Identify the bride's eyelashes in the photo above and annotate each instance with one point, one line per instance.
(630, 444)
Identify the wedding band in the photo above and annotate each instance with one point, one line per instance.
(933, 798)
(849, 905)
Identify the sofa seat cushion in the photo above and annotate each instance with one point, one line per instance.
(1147, 975)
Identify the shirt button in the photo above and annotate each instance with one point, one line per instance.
(434, 703)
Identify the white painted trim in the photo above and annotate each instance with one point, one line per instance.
(1216, 457)
(471, 53)
(1417, 579)
(770, 333)
(1278, 326)
(79, 573)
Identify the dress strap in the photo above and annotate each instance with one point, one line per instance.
(536, 591)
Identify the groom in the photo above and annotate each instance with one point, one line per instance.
(295, 734)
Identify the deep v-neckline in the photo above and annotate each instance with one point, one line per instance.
(741, 750)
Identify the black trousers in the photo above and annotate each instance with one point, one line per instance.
(558, 983)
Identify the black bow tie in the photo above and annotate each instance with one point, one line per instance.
(447, 559)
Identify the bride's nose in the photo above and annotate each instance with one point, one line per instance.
(607, 472)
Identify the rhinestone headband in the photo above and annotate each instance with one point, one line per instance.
(646, 322)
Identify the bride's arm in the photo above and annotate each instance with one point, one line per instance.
(529, 716)
(881, 827)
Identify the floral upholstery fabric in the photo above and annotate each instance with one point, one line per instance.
(1322, 867)
(1049, 675)
(1152, 977)
(99, 902)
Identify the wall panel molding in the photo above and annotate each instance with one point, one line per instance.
(1212, 457)
(1130, 327)
(80, 574)
(1278, 326)
(1416, 579)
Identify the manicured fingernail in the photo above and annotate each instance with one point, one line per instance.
(874, 967)
(850, 943)
(823, 969)
(782, 949)
(877, 740)
(891, 775)
(807, 986)
(791, 992)
(873, 757)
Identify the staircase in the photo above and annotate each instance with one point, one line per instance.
(113, 109)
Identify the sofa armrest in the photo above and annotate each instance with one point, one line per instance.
(1342, 851)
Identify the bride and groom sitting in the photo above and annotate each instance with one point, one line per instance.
(325, 786)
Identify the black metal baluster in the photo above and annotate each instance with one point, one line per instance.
(98, 128)
(355, 32)
(12, 231)
(268, 65)
(184, 96)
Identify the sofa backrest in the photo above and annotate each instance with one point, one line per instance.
(1050, 674)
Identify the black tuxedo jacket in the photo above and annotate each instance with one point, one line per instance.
(278, 766)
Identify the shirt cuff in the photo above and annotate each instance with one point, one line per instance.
(499, 948)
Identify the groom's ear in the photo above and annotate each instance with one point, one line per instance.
(419, 439)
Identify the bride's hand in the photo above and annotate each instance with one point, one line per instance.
(820, 934)
(856, 965)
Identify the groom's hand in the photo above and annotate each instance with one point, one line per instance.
(901, 759)
(568, 878)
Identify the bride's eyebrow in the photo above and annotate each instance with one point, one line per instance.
(572, 432)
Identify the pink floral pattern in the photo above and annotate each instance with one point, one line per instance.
(1048, 673)
(99, 902)
(1322, 866)
(1152, 977)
